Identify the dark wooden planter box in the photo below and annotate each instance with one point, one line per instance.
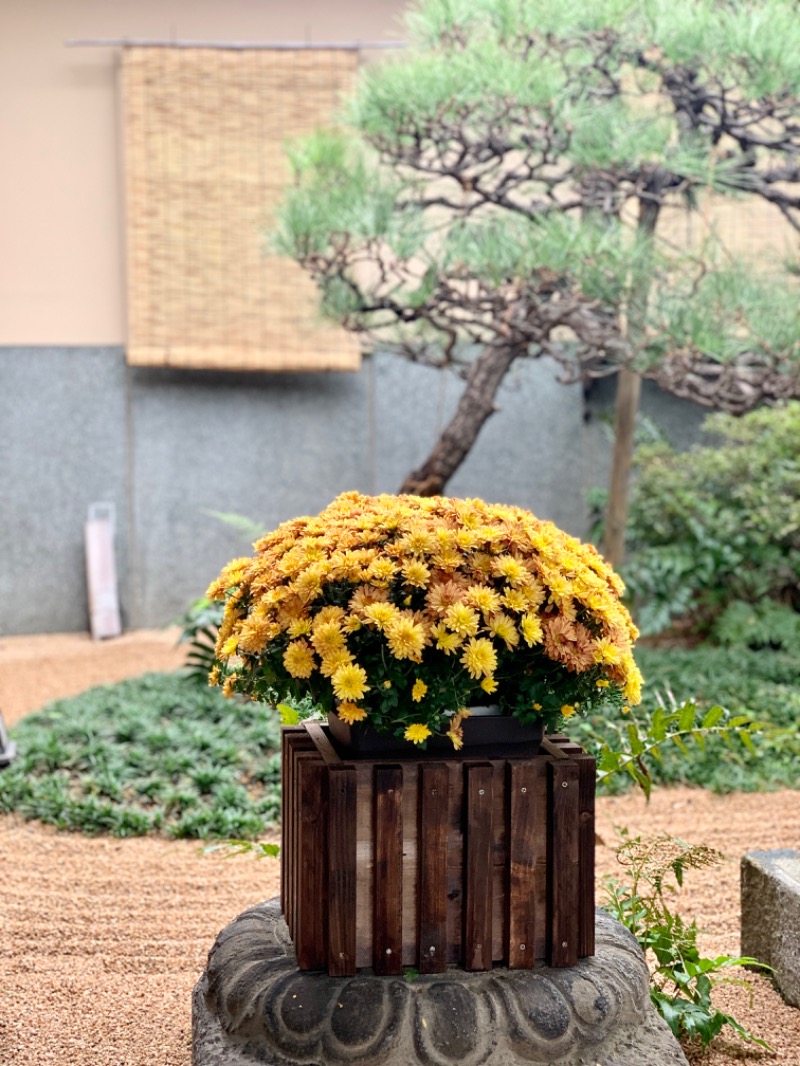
(466, 860)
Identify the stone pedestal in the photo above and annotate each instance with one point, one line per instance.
(253, 1006)
(771, 916)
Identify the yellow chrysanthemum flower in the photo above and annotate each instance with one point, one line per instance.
(467, 539)
(213, 677)
(327, 639)
(489, 685)
(605, 651)
(515, 572)
(350, 682)
(479, 658)
(308, 584)
(483, 598)
(417, 733)
(419, 690)
(531, 627)
(416, 573)
(331, 663)
(299, 627)
(380, 614)
(229, 647)
(255, 634)
(445, 640)
(633, 684)
(229, 685)
(299, 659)
(456, 737)
(502, 627)
(567, 710)
(462, 619)
(380, 570)
(350, 712)
(406, 638)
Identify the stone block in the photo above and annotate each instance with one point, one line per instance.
(771, 915)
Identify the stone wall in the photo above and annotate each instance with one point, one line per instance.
(166, 447)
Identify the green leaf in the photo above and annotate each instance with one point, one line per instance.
(712, 716)
(289, 715)
(686, 716)
(658, 729)
(747, 740)
(634, 740)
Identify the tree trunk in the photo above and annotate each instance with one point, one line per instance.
(476, 404)
(629, 385)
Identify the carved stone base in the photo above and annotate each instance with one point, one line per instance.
(253, 1005)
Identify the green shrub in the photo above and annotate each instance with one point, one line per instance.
(154, 754)
(718, 524)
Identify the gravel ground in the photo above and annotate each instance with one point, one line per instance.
(103, 939)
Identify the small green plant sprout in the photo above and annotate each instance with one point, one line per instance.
(640, 736)
(259, 849)
(681, 979)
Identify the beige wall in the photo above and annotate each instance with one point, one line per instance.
(61, 222)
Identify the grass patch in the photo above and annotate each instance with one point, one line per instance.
(762, 684)
(156, 754)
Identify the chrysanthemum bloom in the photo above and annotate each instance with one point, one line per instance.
(379, 603)
(350, 682)
(417, 733)
(445, 640)
(350, 712)
(479, 658)
(331, 663)
(419, 690)
(299, 659)
(406, 638)
(462, 620)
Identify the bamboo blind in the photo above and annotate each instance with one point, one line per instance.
(205, 165)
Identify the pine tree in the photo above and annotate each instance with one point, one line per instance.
(497, 192)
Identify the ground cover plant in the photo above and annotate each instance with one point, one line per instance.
(155, 754)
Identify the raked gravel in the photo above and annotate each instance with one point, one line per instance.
(102, 940)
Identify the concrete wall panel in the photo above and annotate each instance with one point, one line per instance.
(62, 447)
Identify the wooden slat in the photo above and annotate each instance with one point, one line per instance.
(563, 863)
(455, 863)
(587, 777)
(311, 926)
(432, 859)
(523, 854)
(341, 870)
(294, 740)
(479, 796)
(499, 889)
(300, 755)
(387, 897)
(365, 842)
(322, 743)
